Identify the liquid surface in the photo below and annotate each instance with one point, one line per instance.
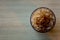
(43, 19)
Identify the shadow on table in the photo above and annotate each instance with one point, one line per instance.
(54, 34)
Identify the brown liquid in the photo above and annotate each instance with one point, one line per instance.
(42, 19)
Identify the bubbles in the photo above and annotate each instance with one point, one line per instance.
(42, 19)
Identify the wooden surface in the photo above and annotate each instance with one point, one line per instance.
(15, 19)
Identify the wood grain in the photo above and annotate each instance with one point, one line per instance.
(15, 19)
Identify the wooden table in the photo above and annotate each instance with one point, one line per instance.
(15, 19)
